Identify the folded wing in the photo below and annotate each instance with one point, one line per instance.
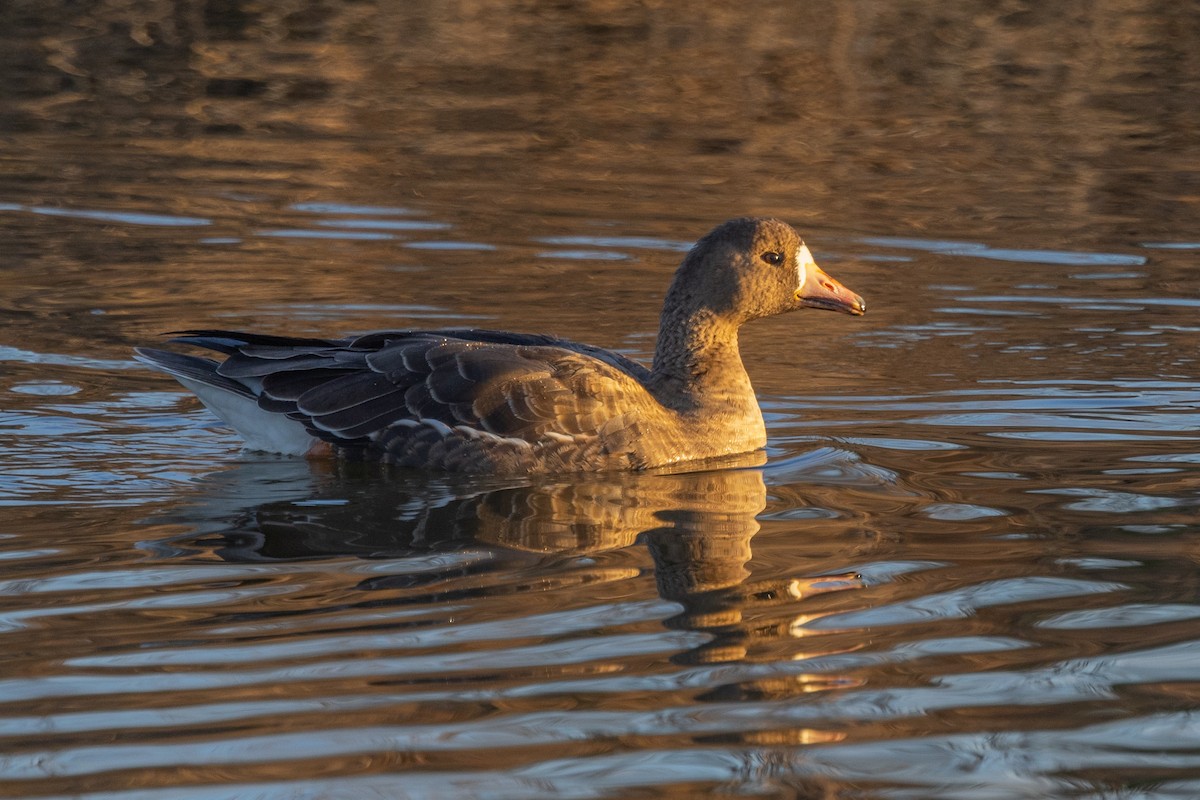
(423, 397)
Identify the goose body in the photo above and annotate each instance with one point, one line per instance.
(495, 402)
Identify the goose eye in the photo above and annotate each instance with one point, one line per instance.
(772, 257)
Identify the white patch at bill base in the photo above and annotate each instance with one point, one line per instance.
(804, 259)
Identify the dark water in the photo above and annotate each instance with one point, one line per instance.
(966, 567)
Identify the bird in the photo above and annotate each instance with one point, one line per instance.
(500, 403)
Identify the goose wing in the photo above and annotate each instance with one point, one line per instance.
(382, 389)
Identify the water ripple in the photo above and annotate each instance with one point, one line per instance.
(122, 217)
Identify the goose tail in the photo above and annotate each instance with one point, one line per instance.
(234, 402)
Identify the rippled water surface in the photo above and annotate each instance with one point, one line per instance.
(965, 567)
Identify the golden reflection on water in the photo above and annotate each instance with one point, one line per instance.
(802, 111)
(696, 527)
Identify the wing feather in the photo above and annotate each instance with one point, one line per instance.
(365, 419)
(453, 394)
(345, 392)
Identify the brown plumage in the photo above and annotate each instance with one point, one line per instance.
(510, 403)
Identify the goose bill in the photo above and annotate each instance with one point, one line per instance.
(821, 291)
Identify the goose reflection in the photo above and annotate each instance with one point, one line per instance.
(285, 510)
(696, 526)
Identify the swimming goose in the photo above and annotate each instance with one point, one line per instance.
(493, 402)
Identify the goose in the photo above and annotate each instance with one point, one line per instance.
(501, 403)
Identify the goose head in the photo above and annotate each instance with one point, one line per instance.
(750, 267)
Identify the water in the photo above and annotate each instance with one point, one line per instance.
(966, 566)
